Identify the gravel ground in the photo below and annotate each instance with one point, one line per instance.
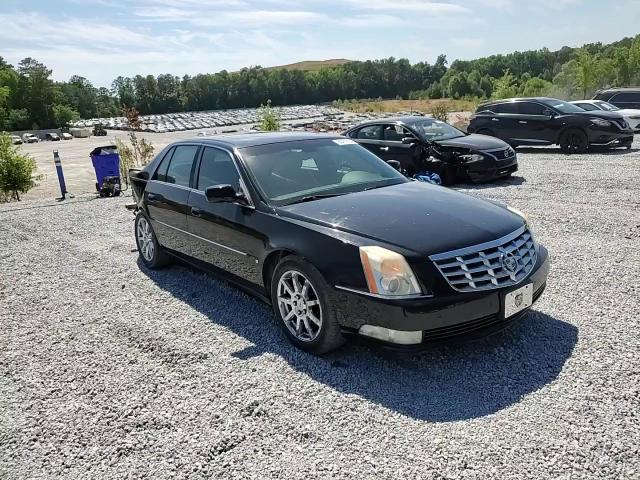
(111, 371)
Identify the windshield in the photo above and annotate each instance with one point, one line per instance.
(606, 106)
(432, 129)
(289, 172)
(563, 107)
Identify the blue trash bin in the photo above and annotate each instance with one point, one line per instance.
(106, 163)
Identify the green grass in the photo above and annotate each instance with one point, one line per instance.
(312, 65)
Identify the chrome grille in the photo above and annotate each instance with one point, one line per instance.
(500, 263)
(502, 153)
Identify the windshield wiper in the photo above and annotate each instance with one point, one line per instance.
(311, 198)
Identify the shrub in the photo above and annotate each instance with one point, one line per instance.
(16, 170)
(137, 152)
(269, 119)
(440, 112)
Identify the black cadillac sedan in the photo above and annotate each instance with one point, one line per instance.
(426, 144)
(338, 241)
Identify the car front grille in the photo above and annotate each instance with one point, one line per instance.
(502, 153)
(500, 263)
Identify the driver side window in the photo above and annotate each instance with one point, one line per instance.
(217, 168)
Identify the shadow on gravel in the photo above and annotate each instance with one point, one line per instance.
(557, 151)
(443, 384)
(504, 182)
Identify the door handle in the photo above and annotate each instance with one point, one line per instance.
(384, 149)
(495, 119)
(195, 211)
(522, 121)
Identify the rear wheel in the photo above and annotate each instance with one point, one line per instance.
(574, 141)
(300, 298)
(151, 253)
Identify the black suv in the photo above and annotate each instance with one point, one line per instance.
(548, 121)
(628, 97)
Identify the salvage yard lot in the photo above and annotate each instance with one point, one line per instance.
(109, 370)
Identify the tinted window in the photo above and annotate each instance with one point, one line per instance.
(179, 171)
(530, 108)
(394, 133)
(627, 97)
(217, 168)
(511, 107)
(371, 132)
(161, 172)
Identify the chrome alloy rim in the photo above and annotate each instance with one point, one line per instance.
(145, 239)
(299, 306)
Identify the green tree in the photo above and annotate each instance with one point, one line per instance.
(587, 71)
(505, 86)
(63, 115)
(536, 87)
(16, 169)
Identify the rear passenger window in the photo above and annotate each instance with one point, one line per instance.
(627, 97)
(371, 132)
(161, 172)
(179, 171)
(511, 107)
(530, 108)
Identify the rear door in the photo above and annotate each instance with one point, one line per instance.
(167, 196)
(370, 137)
(222, 233)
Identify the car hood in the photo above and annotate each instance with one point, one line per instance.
(629, 112)
(474, 142)
(415, 216)
(600, 114)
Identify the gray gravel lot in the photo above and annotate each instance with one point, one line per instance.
(108, 370)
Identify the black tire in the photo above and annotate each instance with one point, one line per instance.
(448, 175)
(157, 257)
(328, 336)
(574, 140)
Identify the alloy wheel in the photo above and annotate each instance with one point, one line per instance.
(299, 306)
(146, 244)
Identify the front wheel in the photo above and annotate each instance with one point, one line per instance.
(151, 253)
(300, 298)
(574, 141)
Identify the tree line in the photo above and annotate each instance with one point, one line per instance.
(30, 98)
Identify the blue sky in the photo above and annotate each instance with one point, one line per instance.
(101, 39)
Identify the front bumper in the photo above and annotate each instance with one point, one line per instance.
(490, 169)
(458, 316)
(611, 137)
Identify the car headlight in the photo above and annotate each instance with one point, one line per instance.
(474, 157)
(388, 274)
(522, 215)
(601, 122)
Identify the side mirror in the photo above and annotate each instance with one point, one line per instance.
(395, 164)
(408, 140)
(220, 193)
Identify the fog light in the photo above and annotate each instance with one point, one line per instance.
(392, 336)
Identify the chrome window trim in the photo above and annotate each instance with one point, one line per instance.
(482, 246)
(244, 254)
(383, 297)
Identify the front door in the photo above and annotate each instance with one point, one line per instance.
(222, 233)
(534, 124)
(167, 197)
(395, 149)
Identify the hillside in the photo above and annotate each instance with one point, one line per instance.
(311, 65)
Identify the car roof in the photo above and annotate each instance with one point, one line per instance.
(406, 120)
(522, 99)
(619, 89)
(243, 140)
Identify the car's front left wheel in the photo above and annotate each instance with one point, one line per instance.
(300, 298)
(151, 253)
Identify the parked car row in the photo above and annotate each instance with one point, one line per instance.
(173, 122)
(548, 121)
(33, 138)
